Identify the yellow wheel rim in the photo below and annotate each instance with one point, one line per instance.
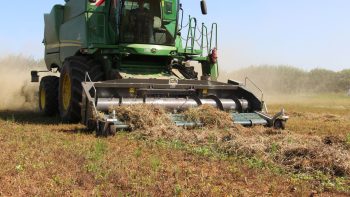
(42, 98)
(66, 91)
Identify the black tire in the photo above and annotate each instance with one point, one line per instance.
(279, 124)
(70, 94)
(102, 132)
(48, 95)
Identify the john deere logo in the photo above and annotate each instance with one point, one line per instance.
(154, 50)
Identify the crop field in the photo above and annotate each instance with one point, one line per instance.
(40, 156)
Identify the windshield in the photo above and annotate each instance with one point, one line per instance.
(141, 23)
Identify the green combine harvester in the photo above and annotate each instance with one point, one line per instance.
(127, 52)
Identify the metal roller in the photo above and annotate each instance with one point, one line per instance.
(103, 104)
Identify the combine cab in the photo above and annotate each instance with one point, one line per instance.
(127, 52)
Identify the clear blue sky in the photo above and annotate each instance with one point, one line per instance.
(304, 33)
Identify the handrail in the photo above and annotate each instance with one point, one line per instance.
(207, 40)
(204, 34)
(191, 35)
(194, 33)
(214, 26)
(263, 105)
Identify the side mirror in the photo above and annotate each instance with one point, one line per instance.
(204, 7)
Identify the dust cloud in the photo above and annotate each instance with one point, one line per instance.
(291, 80)
(16, 90)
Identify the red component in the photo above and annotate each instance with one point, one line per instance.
(100, 2)
(214, 56)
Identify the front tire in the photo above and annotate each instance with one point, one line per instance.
(70, 88)
(48, 95)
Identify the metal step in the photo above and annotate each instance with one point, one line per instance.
(248, 119)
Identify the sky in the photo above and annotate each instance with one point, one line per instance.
(304, 33)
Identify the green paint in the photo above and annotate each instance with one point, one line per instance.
(81, 27)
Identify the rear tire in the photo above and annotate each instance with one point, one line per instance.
(70, 88)
(48, 95)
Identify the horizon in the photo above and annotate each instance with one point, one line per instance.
(41, 60)
(306, 35)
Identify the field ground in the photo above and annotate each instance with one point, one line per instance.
(42, 157)
(326, 114)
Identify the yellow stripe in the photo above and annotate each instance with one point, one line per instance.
(70, 45)
(71, 41)
(53, 46)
